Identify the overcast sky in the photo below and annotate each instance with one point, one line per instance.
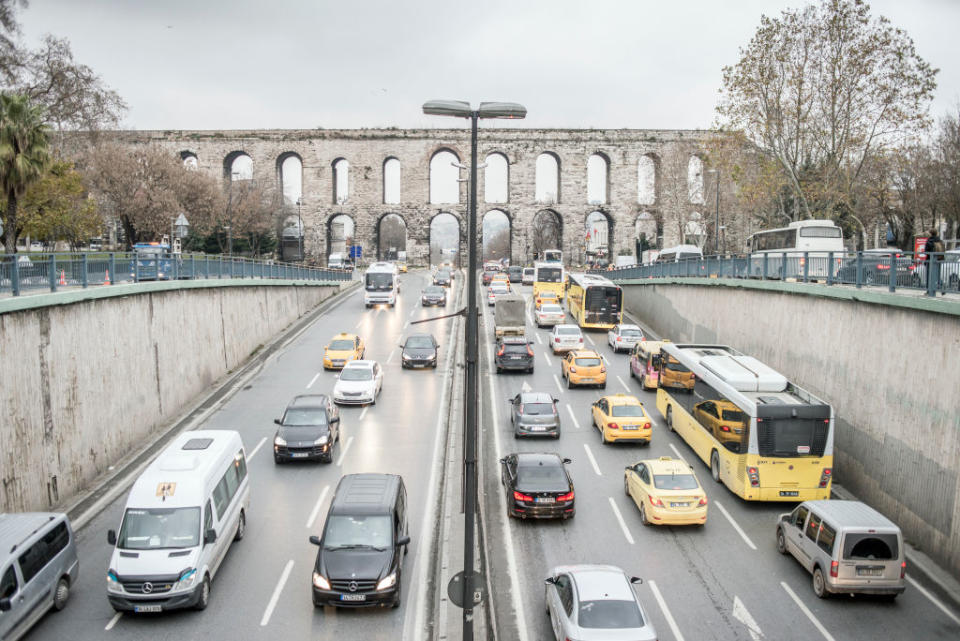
(239, 64)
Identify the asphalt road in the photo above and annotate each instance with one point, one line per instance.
(723, 581)
(288, 503)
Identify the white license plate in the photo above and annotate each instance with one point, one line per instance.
(586, 380)
(147, 608)
(419, 365)
(674, 504)
(538, 428)
(630, 427)
(869, 571)
(546, 499)
(353, 597)
(299, 454)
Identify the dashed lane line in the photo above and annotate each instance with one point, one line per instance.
(623, 524)
(803, 608)
(593, 461)
(539, 340)
(257, 448)
(573, 417)
(343, 452)
(390, 358)
(736, 526)
(557, 381)
(666, 611)
(313, 380)
(316, 507)
(363, 412)
(625, 386)
(934, 600)
(113, 621)
(276, 593)
(547, 358)
(677, 452)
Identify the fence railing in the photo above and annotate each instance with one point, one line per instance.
(931, 273)
(25, 272)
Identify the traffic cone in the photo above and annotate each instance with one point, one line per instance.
(106, 277)
(63, 278)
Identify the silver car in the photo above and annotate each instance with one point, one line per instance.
(624, 337)
(595, 602)
(564, 338)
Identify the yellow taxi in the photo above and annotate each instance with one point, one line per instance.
(666, 491)
(546, 297)
(583, 367)
(402, 268)
(342, 349)
(726, 421)
(622, 417)
(501, 278)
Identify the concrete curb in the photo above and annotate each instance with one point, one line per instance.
(919, 564)
(103, 490)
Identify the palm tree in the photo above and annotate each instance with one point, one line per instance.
(24, 154)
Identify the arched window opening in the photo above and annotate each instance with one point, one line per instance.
(445, 239)
(496, 179)
(340, 235)
(291, 179)
(189, 160)
(391, 181)
(241, 168)
(646, 181)
(597, 176)
(695, 180)
(598, 239)
(341, 181)
(391, 237)
(444, 176)
(496, 236)
(548, 179)
(645, 230)
(546, 232)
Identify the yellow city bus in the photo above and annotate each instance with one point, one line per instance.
(594, 301)
(548, 277)
(762, 436)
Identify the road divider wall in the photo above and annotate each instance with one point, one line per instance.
(86, 381)
(891, 370)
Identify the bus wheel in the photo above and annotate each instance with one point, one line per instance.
(715, 466)
(670, 417)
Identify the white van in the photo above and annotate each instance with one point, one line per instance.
(381, 285)
(180, 518)
(335, 261)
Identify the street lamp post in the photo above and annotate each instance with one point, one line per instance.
(299, 230)
(460, 109)
(716, 227)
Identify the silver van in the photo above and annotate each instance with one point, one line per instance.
(849, 547)
(38, 566)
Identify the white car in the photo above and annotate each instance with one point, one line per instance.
(563, 338)
(494, 291)
(624, 337)
(549, 315)
(359, 383)
(528, 274)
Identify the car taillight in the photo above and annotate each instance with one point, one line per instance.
(613, 426)
(556, 340)
(802, 262)
(603, 370)
(646, 426)
(580, 340)
(724, 428)
(529, 351)
(825, 476)
(619, 339)
(500, 353)
(754, 475)
(903, 569)
(655, 501)
(517, 496)
(565, 497)
(703, 500)
(834, 567)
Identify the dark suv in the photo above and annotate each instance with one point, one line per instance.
(308, 429)
(513, 352)
(534, 414)
(442, 277)
(515, 273)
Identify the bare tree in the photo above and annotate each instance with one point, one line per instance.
(545, 233)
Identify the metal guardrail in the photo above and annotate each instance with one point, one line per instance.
(25, 272)
(893, 271)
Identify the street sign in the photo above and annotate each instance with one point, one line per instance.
(356, 251)
(455, 588)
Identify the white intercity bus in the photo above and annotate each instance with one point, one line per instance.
(786, 250)
(381, 284)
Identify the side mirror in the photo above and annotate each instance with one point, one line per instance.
(556, 400)
(503, 461)
(400, 345)
(567, 461)
(5, 605)
(210, 536)
(550, 580)
(636, 580)
(112, 537)
(403, 540)
(335, 419)
(315, 540)
(277, 421)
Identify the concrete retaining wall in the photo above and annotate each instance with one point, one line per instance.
(83, 384)
(891, 372)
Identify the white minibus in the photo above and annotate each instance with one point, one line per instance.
(787, 249)
(381, 284)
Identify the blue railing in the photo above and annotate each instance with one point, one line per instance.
(32, 272)
(892, 271)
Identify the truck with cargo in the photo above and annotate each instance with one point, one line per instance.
(509, 315)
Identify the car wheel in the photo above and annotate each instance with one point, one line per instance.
(626, 486)
(715, 466)
(204, 599)
(643, 515)
(241, 526)
(61, 594)
(499, 370)
(603, 385)
(670, 417)
(633, 375)
(781, 542)
(819, 584)
(569, 383)
(603, 436)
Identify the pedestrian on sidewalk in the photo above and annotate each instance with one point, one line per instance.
(934, 245)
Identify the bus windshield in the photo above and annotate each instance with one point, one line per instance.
(791, 437)
(549, 274)
(379, 282)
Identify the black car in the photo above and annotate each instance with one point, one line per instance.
(875, 268)
(309, 428)
(538, 486)
(534, 414)
(433, 295)
(364, 540)
(515, 273)
(442, 277)
(513, 352)
(420, 350)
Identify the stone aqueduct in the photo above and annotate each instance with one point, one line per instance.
(667, 153)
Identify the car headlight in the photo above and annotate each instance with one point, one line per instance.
(406, 358)
(387, 582)
(279, 441)
(186, 579)
(113, 582)
(321, 441)
(320, 582)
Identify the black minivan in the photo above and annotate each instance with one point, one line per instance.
(360, 558)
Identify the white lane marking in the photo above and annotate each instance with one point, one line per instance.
(741, 614)
(587, 336)
(359, 323)
(364, 412)
(573, 417)
(539, 340)
(316, 507)
(276, 593)
(593, 461)
(677, 452)
(313, 380)
(406, 325)
(604, 359)
(557, 381)
(625, 386)
(257, 448)
(413, 311)
(518, 606)
(736, 526)
(623, 524)
(934, 600)
(803, 608)
(390, 358)
(666, 611)
(113, 621)
(343, 452)
(547, 358)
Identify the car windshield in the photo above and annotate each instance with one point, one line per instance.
(627, 410)
(306, 416)
(609, 614)
(356, 374)
(343, 345)
(542, 478)
(433, 291)
(551, 309)
(537, 409)
(631, 333)
(366, 531)
(159, 528)
(588, 362)
(419, 342)
(568, 331)
(675, 482)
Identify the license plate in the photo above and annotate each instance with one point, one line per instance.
(300, 454)
(353, 597)
(538, 428)
(630, 427)
(789, 493)
(673, 504)
(586, 379)
(147, 608)
(546, 499)
(869, 571)
(419, 365)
